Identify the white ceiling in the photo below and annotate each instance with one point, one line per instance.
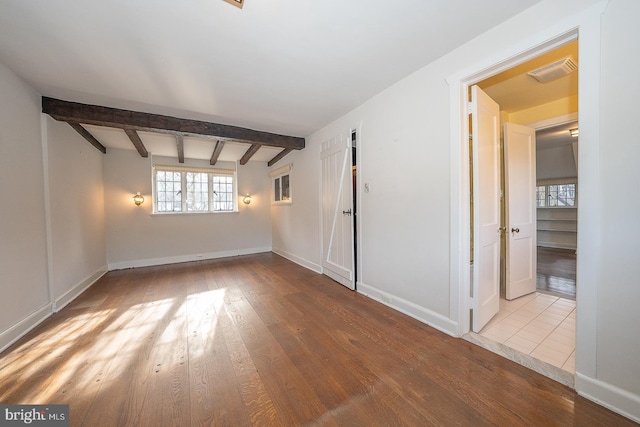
(282, 66)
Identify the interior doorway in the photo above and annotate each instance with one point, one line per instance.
(557, 199)
(539, 322)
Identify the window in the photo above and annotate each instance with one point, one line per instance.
(556, 195)
(183, 189)
(281, 185)
(541, 196)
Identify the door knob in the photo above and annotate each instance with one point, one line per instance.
(502, 230)
(347, 212)
(515, 230)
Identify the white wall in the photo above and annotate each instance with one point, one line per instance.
(555, 162)
(403, 252)
(78, 248)
(619, 293)
(405, 219)
(295, 227)
(52, 242)
(135, 237)
(23, 239)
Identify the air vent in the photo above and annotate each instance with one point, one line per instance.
(238, 3)
(554, 71)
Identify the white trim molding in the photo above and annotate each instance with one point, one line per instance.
(20, 329)
(281, 171)
(149, 262)
(77, 289)
(424, 315)
(298, 260)
(618, 400)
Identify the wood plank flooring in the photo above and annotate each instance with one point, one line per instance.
(556, 274)
(258, 340)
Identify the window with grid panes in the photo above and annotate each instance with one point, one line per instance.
(281, 180)
(197, 191)
(561, 195)
(558, 194)
(184, 189)
(541, 196)
(168, 191)
(223, 193)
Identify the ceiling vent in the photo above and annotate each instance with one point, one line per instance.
(238, 3)
(554, 71)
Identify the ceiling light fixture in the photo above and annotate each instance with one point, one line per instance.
(574, 132)
(238, 3)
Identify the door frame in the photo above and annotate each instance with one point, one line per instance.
(587, 24)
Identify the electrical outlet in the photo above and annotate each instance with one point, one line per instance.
(366, 187)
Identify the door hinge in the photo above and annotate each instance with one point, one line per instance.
(470, 107)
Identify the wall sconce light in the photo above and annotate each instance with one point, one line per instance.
(573, 132)
(247, 199)
(138, 199)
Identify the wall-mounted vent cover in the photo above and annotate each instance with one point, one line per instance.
(238, 3)
(554, 71)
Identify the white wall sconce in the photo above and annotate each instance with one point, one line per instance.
(246, 199)
(138, 199)
(573, 132)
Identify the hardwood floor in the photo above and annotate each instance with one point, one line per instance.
(556, 273)
(258, 340)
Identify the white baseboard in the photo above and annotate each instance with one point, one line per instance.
(618, 400)
(184, 258)
(21, 328)
(433, 319)
(78, 289)
(298, 260)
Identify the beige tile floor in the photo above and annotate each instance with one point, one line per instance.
(543, 326)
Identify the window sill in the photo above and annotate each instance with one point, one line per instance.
(191, 213)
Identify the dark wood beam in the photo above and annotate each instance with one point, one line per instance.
(125, 119)
(86, 135)
(250, 152)
(279, 156)
(137, 142)
(180, 147)
(216, 152)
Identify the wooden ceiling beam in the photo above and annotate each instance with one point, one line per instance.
(216, 152)
(250, 152)
(279, 156)
(86, 135)
(137, 142)
(180, 147)
(125, 119)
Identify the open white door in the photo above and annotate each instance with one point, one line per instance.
(337, 210)
(485, 123)
(520, 183)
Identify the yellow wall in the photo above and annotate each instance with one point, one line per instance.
(545, 111)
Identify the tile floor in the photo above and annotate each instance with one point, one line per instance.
(541, 325)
